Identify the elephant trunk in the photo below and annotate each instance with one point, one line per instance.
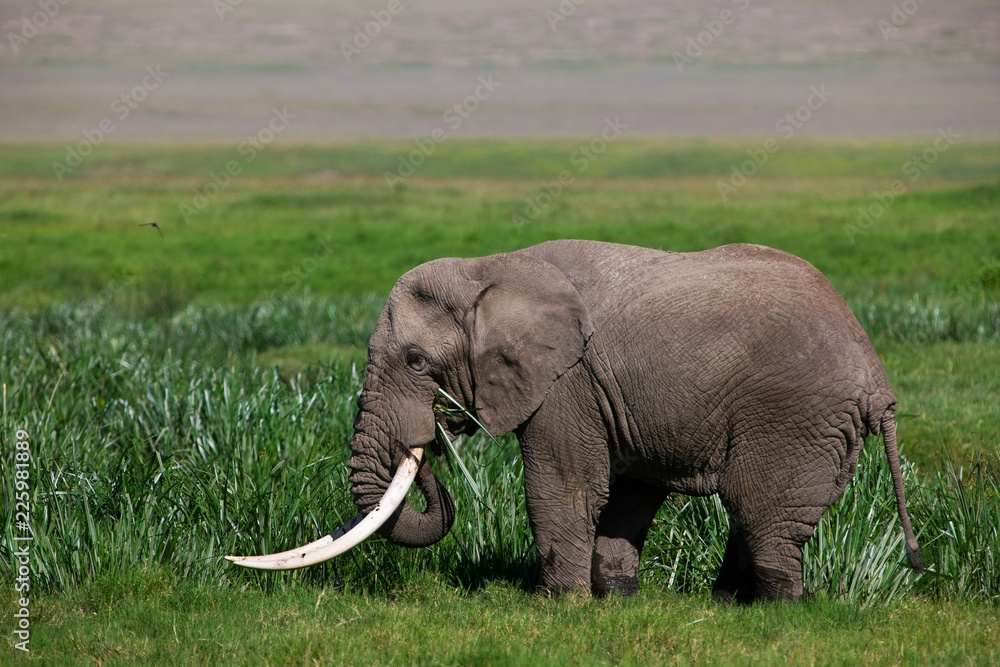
(381, 499)
(372, 469)
(351, 534)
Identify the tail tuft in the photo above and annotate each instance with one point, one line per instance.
(916, 558)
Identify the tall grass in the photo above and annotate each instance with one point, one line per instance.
(161, 442)
(964, 317)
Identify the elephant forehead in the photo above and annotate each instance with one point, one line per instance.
(429, 274)
(409, 317)
(414, 318)
(432, 290)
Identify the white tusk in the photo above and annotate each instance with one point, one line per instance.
(351, 534)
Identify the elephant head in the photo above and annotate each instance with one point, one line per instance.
(496, 332)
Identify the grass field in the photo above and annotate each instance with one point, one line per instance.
(264, 230)
(191, 394)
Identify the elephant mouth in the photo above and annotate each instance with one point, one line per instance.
(453, 417)
(453, 427)
(351, 534)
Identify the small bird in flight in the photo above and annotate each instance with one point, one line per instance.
(153, 225)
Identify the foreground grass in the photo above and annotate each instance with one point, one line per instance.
(155, 619)
(163, 442)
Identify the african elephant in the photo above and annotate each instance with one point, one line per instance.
(626, 374)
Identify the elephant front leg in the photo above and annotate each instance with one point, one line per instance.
(564, 542)
(563, 502)
(621, 534)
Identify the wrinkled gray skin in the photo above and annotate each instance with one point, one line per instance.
(627, 374)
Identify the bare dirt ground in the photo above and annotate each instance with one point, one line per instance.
(554, 68)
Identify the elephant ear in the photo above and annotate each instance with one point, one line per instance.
(528, 325)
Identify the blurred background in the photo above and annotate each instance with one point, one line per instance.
(670, 68)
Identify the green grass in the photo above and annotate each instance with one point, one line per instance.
(151, 619)
(278, 227)
(947, 395)
(191, 395)
(506, 160)
(165, 441)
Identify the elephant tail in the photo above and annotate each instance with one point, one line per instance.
(914, 554)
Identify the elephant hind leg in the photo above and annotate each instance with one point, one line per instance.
(762, 566)
(776, 483)
(621, 533)
(736, 581)
(778, 569)
(773, 529)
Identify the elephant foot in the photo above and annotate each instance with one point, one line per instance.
(623, 585)
(756, 584)
(735, 586)
(741, 596)
(774, 585)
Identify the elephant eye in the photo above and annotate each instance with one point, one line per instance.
(416, 360)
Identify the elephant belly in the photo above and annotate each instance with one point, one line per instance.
(666, 438)
(680, 413)
(679, 457)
